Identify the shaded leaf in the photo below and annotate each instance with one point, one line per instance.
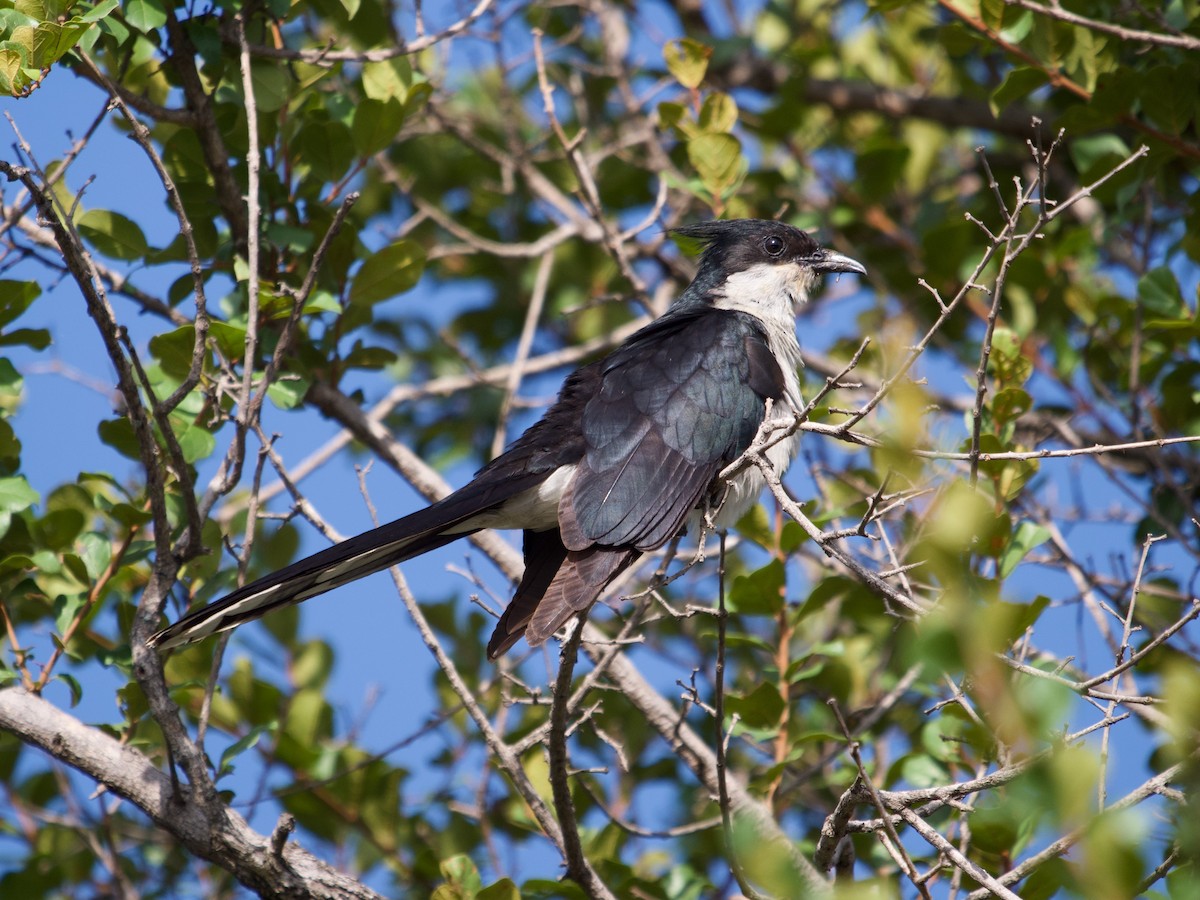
(376, 124)
(391, 271)
(240, 746)
(113, 234)
(1018, 84)
(761, 708)
(760, 593)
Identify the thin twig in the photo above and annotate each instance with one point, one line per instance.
(719, 749)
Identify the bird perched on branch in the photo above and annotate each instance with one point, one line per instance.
(632, 447)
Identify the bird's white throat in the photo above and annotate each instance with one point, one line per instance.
(771, 292)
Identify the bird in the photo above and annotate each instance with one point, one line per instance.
(626, 458)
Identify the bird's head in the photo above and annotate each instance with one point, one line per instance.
(758, 265)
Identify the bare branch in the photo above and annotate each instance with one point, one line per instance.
(1134, 35)
(224, 838)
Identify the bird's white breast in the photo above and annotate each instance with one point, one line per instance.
(770, 293)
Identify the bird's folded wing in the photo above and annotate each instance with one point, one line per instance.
(670, 413)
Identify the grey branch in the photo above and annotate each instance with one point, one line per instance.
(217, 834)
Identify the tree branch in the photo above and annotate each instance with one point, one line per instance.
(213, 832)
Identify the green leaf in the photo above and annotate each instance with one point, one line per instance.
(1018, 27)
(326, 148)
(15, 562)
(920, 770)
(15, 298)
(1009, 403)
(173, 350)
(118, 434)
(129, 515)
(1017, 85)
(504, 889)
(311, 665)
(309, 717)
(289, 391)
(687, 61)
(418, 95)
(272, 86)
(240, 746)
(825, 591)
(672, 116)
(1083, 59)
(96, 553)
(1005, 622)
(1009, 365)
(462, 878)
(761, 708)
(1096, 151)
(992, 13)
(1025, 538)
(73, 686)
(387, 80)
(24, 12)
(717, 159)
(145, 15)
(16, 494)
(52, 41)
(66, 609)
(196, 443)
(10, 447)
(60, 527)
(321, 302)
(376, 124)
(113, 234)
(760, 593)
(391, 271)
(35, 338)
(99, 11)
(231, 339)
(363, 357)
(1159, 292)
(296, 239)
(12, 58)
(719, 112)
(1168, 95)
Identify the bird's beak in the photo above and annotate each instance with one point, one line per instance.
(828, 261)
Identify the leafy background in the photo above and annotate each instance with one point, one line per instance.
(514, 168)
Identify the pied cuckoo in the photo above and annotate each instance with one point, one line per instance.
(631, 449)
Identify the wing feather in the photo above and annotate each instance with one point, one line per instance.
(669, 414)
(658, 420)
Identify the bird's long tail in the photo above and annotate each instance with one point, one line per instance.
(370, 552)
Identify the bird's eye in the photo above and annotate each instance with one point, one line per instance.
(774, 245)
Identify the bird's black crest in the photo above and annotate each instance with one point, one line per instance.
(736, 244)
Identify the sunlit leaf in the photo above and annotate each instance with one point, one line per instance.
(145, 15)
(1027, 536)
(687, 61)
